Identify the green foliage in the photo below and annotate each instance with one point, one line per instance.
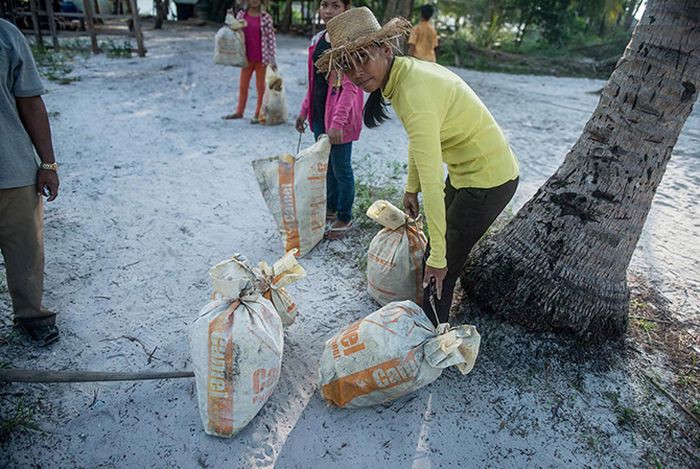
(117, 50)
(626, 416)
(552, 28)
(23, 418)
(646, 326)
(371, 185)
(55, 66)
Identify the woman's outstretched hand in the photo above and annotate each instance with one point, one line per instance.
(410, 204)
(438, 274)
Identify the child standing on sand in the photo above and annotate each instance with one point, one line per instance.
(259, 36)
(333, 105)
(423, 39)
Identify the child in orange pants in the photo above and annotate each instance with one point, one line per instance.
(259, 36)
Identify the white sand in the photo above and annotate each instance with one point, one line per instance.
(156, 188)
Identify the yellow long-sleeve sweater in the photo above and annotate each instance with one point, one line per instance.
(446, 122)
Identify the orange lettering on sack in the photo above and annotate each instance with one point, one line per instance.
(349, 340)
(220, 372)
(264, 379)
(379, 377)
(288, 205)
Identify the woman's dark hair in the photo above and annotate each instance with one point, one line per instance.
(375, 109)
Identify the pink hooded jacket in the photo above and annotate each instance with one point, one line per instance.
(343, 104)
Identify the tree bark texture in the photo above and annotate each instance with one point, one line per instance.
(561, 263)
(393, 8)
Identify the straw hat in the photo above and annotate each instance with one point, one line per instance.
(352, 32)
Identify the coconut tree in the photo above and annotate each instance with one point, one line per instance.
(561, 263)
(394, 8)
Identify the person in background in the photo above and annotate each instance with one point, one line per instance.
(24, 128)
(446, 123)
(259, 36)
(333, 105)
(423, 39)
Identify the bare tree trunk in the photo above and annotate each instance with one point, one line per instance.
(561, 263)
(162, 8)
(286, 21)
(393, 8)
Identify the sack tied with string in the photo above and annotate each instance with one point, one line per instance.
(271, 281)
(229, 43)
(294, 189)
(395, 256)
(236, 345)
(274, 104)
(390, 353)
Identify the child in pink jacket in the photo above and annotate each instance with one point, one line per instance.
(333, 105)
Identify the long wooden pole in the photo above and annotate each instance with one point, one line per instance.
(52, 24)
(137, 28)
(48, 376)
(35, 22)
(87, 7)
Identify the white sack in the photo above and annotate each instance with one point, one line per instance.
(274, 104)
(229, 45)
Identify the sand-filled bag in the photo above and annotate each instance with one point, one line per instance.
(395, 256)
(271, 281)
(274, 104)
(229, 44)
(236, 345)
(294, 189)
(390, 353)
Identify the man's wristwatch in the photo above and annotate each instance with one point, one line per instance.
(49, 166)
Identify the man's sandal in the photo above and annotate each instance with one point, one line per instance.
(335, 233)
(43, 335)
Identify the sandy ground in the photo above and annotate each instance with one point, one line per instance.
(156, 188)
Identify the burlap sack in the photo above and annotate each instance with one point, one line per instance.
(395, 256)
(392, 352)
(294, 189)
(236, 345)
(274, 105)
(271, 283)
(229, 44)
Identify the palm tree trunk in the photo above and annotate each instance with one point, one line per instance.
(393, 8)
(561, 263)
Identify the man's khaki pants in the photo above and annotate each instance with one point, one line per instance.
(22, 246)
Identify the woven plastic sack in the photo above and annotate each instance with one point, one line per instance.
(390, 353)
(274, 104)
(395, 256)
(294, 189)
(236, 345)
(229, 44)
(271, 281)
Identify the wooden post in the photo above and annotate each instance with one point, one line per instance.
(137, 28)
(87, 6)
(35, 22)
(49, 376)
(52, 24)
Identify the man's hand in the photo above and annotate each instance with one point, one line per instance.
(301, 124)
(438, 274)
(410, 204)
(335, 136)
(47, 184)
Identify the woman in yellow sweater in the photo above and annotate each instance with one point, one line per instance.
(447, 124)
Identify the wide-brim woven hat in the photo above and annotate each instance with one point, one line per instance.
(352, 32)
